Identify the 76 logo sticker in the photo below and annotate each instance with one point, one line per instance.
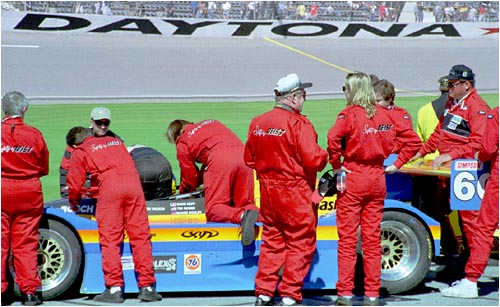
(192, 263)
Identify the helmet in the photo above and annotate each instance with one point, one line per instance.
(327, 186)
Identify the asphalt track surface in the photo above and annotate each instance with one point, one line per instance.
(103, 68)
(99, 68)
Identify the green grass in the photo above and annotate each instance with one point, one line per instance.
(146, 123)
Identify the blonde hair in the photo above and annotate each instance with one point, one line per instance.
(361, 92)
(175, 129)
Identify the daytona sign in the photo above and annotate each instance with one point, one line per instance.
(16, 21)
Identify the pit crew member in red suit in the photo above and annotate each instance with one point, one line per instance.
(25, 158)
(487, 221)
(283, 148)
(370, 133)
(100, 120)
(459, 135)
(120, 206)
(228, 182)
(384, 95)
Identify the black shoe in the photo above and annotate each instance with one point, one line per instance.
(343, 301)
(31, 300)
(261, 302)
(368, 302)
(248, 227)
(149, 295)
(107, 297)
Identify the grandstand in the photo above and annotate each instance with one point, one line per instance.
(357, 11)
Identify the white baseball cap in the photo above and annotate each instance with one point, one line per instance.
(100, 113)
(289, 84)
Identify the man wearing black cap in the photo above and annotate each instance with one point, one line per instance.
(283, 148)
(459, 133)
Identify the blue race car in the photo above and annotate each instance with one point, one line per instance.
(192, 255)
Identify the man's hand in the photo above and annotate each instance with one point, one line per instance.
(391, 169)
(415, 157)
(439, 160)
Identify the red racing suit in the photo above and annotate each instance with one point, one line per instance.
(282, 147)
(459, 134)
(228, 182)
(91, 186)
(120, 205)
(403, 124)
(487, 221)
(367, 143)
(25, 158)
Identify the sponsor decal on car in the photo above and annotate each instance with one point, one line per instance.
(192, 263)
(165, 264)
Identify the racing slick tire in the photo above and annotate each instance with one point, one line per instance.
(406, 253)
(59, 259)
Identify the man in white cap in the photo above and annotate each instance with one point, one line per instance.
(283, 148)
(100, 120)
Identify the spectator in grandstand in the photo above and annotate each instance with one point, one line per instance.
(154, 170)
(253, 7)
(438, 13)
(364, 134)
(169, 9)
(120, 206)
(194, 8)
(211, 8)
(226, 9)
(458, 135)
(100, 120)
(313, 12)
(301, 11)
(283, 149)
(487, 222)
(228, 182)
(381, 11)
(25, 158)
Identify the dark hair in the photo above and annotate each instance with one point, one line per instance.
(175, 129)
(76, 135)
(385, 89)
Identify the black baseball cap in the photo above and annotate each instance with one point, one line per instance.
(460, 72)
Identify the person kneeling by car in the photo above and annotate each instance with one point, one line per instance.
(228, 182)
(120, 206)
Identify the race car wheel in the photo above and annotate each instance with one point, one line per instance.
(406, 252)
(59, 259)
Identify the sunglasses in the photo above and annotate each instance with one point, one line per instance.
(452, 85)
(344, 88)
(102, 122)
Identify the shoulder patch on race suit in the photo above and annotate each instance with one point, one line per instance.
(341, 116)
(406, 116)
(481, 112)
(276, 131)
(384, 127)
(490, 116)
(456, 125)
(17, 149)
(200, 125)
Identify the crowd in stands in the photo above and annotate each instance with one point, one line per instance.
(458, 11)
(359, 11)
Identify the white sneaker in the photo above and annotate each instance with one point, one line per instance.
(461, 288)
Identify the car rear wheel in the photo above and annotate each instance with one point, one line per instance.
(59, 259)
